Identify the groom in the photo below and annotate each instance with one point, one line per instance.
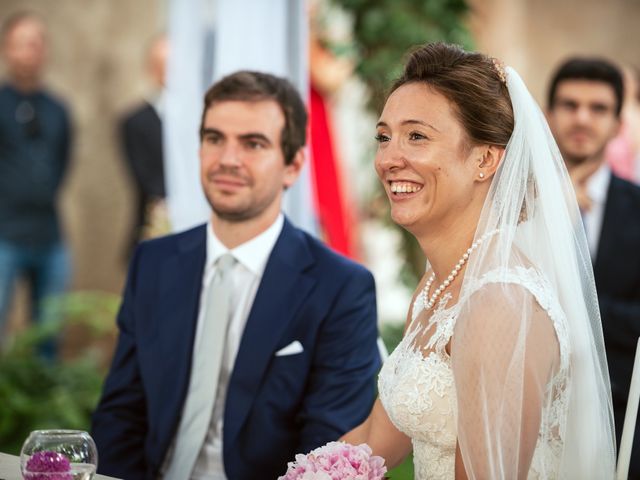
(245, 340)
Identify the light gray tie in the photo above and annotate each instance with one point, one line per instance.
(205, 371)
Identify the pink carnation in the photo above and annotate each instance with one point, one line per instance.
(337, 461)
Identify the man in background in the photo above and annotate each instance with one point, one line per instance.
(141, 133)
(35, 139)
(584, 104)
(245, 340)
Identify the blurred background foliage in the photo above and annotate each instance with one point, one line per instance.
(36, 393)
(384, 31)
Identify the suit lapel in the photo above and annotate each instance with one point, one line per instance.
(283, 288)
(608, 231)
(177, 310)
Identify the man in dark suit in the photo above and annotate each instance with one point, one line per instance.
(584, 104)
(141, 133)
(243, 341)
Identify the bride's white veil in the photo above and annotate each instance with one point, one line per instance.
(530, 340)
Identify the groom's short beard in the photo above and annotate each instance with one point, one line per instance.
(233, 217)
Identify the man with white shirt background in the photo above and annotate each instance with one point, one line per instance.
(584, 104)
(243, 341)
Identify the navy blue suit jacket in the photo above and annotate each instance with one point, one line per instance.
(617, 275)
(275, 406)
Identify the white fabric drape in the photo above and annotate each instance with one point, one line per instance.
(530, 366)
(187, 31)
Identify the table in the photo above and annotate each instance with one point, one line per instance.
(10, 469)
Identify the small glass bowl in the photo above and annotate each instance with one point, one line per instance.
(58, 455)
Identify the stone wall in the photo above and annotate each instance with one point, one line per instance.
(534, 36)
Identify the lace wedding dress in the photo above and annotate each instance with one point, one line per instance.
(417, 389)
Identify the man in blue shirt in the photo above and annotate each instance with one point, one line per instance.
(34, 154)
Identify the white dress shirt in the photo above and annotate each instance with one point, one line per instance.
(251, 258)
(158, 101)
(597, 189)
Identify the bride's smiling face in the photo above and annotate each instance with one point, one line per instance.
(424, 160)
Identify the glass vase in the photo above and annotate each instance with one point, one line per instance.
(58, 455)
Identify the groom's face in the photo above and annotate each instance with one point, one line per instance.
(242, 166)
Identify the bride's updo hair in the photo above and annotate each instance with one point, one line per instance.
(475, 83)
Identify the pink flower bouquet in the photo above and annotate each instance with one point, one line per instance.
(336, 461)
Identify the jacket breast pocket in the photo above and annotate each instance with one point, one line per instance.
(288, 373)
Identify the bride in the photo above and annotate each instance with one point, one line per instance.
(501, 372)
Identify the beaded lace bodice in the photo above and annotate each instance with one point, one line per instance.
(416, 383)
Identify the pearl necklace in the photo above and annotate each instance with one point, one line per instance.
(428, 304)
